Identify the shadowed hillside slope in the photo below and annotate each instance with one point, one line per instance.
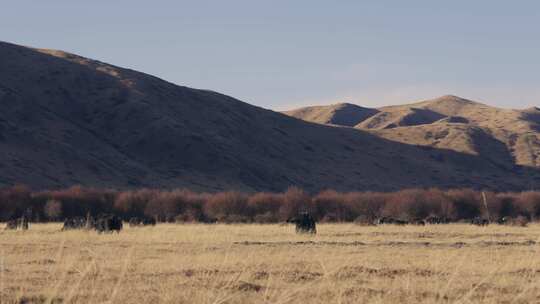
(504, 136)
(70, 120)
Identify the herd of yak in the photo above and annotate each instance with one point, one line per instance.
(102, 223)
(305, 222)
(479, 221)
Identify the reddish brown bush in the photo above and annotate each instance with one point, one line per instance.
(409, 204)
(529, 203)
(78, 200)
(264, 207)
(441, 204)
(467, 204)
(502, 204)
(133, 203)
(14, 201)
(329, 205)
(53, 209)
(366, 205)
(295, 200)
(227, 206)
(170, 206)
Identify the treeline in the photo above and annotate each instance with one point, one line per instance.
(327, 206)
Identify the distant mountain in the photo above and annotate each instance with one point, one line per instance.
(505, 137)
(69, 120)
(343, 114)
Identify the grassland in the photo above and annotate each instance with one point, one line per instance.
(343, 263)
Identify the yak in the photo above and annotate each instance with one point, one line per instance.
(304, 222)
(480, 221)
(108, 223)
(77, 222)
(432, 219)
(18, 223)
(389, 220)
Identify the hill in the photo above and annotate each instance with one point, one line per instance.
(343, 114)
(504, 136)
(69, 120)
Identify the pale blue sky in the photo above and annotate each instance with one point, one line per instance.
(283, 54)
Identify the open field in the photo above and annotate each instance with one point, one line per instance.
(344, 263)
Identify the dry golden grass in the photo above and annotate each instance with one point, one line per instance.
(344, 263)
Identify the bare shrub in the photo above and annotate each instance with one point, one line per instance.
(503, 204)
(467, 204)
(133, 203)
(78, 201)
(166, 206)
(529, 203)
(331, 206)
(182, 205)
(189, 216)
(367, 204)
(295, 200)
(14, 201)
(227, 205)
(264, 207)
(519, 221)
(408, 204)
(441, 204)
(363, 220)
(53, 209)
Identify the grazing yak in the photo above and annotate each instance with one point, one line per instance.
(12, 224)
(209, 220)
(103, 223)
(503, 220)
(432, 220)
(149, 221)
(480, 221)
(513, 221)
(21, 223)
(134, 222)
(108, 223)
(418, 222)
(77, 222)
(304, 222)
(388, 220)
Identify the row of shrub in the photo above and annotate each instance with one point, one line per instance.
(328, 206)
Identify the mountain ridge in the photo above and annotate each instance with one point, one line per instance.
(345, 114)
(70, 120)
(415, 123)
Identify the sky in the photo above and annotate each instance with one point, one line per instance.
(286, 54)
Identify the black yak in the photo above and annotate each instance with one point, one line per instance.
(108, 223)
(389, 220)
(432, 219)
(18, 223)
(480, 221)
(74, 223)
(304, 222)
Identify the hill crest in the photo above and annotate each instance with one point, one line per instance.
(69, 120)
(415, 123)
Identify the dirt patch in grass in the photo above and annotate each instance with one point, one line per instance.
(38, 300)
(391, 243)
(348, 272)
(247, 286)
